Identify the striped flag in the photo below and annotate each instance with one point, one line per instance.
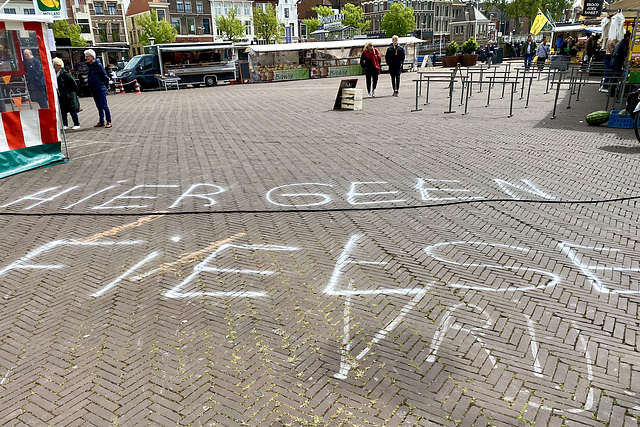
(29, 137)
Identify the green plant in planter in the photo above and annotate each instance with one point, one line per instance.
(470, 46)
(452, 48)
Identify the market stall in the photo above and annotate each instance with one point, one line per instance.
(29, 133)
(296, 61)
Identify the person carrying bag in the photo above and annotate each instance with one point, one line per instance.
(67, 87)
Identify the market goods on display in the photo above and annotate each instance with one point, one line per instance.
(597, 118)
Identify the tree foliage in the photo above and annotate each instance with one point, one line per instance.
(62, 29)
(522, 9)
(162, 31)
(232, 28)
(267, 24)
(354, 16)
(398, 20)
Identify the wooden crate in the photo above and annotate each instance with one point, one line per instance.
(355, 94)
(351, 104)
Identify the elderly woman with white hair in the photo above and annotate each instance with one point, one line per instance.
(67, 95)
(98, 81)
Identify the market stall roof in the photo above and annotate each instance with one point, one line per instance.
(623, 5)
(9, 17)
(576, 27)
(330, 45)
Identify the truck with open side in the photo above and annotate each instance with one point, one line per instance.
(190, 63)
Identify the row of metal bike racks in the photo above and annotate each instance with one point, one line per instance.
(482, 77)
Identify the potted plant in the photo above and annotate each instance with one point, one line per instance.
(469, 56)
(451, 59)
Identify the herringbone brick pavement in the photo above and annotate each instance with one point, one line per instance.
(280, 296)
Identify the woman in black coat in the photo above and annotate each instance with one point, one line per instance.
(67, 95)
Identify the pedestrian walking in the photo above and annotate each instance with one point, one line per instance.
(98, 81)
(67, 94)
(542, 52)
(395, 58)
(489, 51)
(370, 63)
(529, 49)
(35, 79)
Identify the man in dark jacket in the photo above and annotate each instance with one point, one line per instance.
(529, 50)
(35, 79)
(618, 58)
(98, 81)
(395, 59)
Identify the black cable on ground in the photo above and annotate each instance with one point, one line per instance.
(327, 210)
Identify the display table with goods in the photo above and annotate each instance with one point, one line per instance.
(282, 72)
(334, 67)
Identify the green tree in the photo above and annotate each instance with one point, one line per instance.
(162, 31)
(230, 25)
(62, 29)
(398, 20)
(267, 25)
(354, 16)
(520, 9)
(313, 23)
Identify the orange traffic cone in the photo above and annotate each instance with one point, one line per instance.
(121, 87)
(138, 87)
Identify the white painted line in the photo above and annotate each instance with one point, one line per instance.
(393, 324)
(5, 377)
(346, 340)
(537, 369)
(89, 196)
(148, 258)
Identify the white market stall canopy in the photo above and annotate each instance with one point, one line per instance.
(330, 45)
(577, 27)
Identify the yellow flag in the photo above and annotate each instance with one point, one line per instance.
(538, 23)
(18, 101)
(6, 79)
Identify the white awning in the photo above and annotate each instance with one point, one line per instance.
(330, 45)
(13, 17)
(568, 28)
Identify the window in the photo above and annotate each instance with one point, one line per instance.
(217, 8)
(175, 23)
(286, 12)
(29, 11)
(111, 8)
(98, 8)
(11, 10)
(227, 7)
(206, 24)
(102, 33)
(199, 7)
(161, 15)
(115, 32)
(180, 6)
(191, 25)
(247, 9)
(85, 28)
(187, 6)
(247, 27)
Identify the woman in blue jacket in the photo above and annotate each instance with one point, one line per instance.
(98, 81)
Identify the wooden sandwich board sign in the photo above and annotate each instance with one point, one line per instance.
(344, 84)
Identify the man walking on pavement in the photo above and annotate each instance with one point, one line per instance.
(529, 50)
(395, 59)
(98, 81)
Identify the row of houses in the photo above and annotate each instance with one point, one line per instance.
(112, 22)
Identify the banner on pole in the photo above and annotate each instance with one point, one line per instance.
(57, 9)
(540, 21)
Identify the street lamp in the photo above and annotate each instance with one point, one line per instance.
(152, 40)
